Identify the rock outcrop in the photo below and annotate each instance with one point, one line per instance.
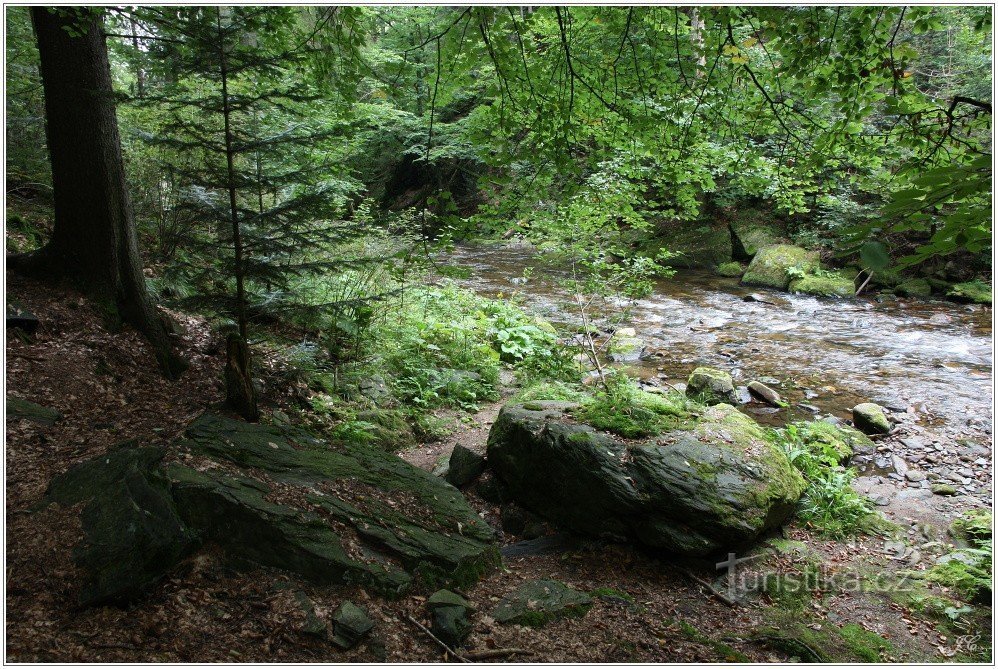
(272, 496)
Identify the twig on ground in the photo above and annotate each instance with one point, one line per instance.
(440, 643)
(714, 591)
(497, 652)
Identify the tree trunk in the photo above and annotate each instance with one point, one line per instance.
(239, 391)
(94, 241)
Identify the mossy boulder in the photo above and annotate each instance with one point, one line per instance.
(132, 532)
(711, 386)
(696, 244)
(750, 232)
(971, 291)
(273, 496)
(773, 266)
(731, 269)
(537, 603)
(625, 346)
(914, 288)
(825, 285)
(870, 418)
(718, 484)
(36, 413)
(843, 440)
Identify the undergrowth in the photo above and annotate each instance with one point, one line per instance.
(830, 505)
(623, 408)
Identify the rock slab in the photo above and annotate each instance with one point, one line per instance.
(537, 603)
(272, 496)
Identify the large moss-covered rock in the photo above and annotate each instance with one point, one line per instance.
(355, 514)
(273, 496)
(695, 244)
(750, 231)
(132, 533)
(825, 285)
(773, 266)
(711, 386)
(971, 291)
(695, 491)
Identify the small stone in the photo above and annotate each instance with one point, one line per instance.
(713, 386)
(451, 624)
(765, 393)
(449, 616)
(870, 418)
(350, 625)
(943, 489)
(915, 476)
(23, 409)
(314, 626)
(537, 602)
(21, 319)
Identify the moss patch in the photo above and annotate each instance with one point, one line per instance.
(914, 288)
(829, 285)
(971, 291)
(773, 266)
(731, 269)
(789, 633)
(842, 440)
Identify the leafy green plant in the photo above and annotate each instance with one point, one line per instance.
(829, 503)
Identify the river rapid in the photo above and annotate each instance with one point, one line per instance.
(930, 360)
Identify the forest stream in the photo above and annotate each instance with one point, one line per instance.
(928, 358)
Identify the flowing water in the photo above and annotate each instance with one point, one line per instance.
(930, 358)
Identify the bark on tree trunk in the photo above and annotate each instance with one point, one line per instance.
(239, 391)
(94, 240)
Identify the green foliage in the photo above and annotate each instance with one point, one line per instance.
(549, 390)
(829, 503)
(968, 571)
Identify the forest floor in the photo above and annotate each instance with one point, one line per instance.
(652, 608)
